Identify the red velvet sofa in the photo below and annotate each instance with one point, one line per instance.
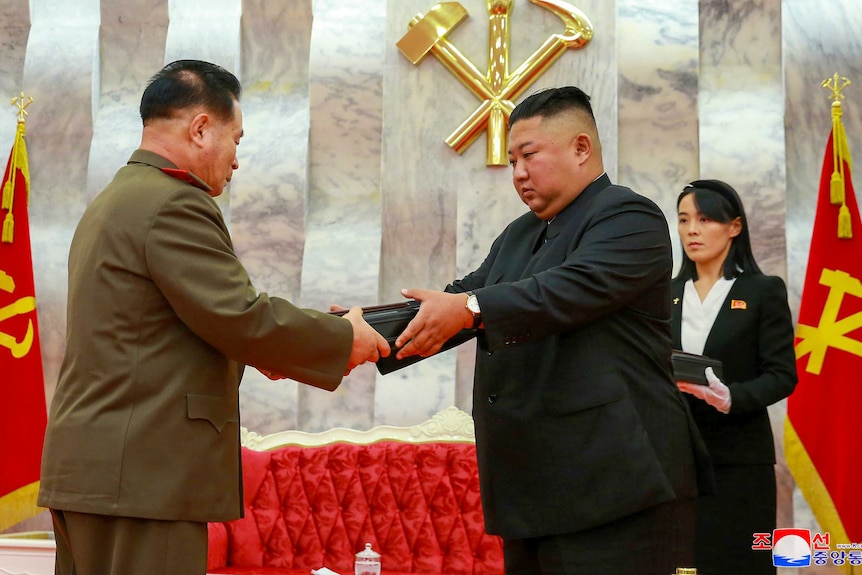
(314, 500)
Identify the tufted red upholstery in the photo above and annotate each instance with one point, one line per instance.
(309, 507)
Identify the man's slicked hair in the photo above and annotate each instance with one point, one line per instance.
(188, 83)
(551, 102)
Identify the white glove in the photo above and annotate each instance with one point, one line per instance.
(716, 394)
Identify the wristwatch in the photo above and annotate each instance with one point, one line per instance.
(473, 307)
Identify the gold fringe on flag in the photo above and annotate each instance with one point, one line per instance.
(839, 145)
(17, 161)
(8, 228)
(845, 227)
(840, 154)
(18, 506)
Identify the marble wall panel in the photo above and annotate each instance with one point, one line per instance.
(658, 47)
(206, 30)
(421, 182)
(60, 74)
(132, 49)
(742, 115)
(268, 192)
(14, 31)
(742, 142)
(342, 250)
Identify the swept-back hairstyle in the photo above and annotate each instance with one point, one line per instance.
(718, 201)
(552, 101)
(187, 83)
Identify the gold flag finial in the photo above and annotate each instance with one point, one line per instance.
(22, 102)
(840, 155)
(836, 84)
(17, 163)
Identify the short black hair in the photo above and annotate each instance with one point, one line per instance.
(187, 83)
(718, 201)
(552, 101)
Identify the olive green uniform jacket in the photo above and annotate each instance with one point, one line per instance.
(161, 320)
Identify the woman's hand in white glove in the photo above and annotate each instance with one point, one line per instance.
(716, 393)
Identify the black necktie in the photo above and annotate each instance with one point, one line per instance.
(541, 238)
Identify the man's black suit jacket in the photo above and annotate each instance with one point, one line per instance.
(578, 420)
(753, 337)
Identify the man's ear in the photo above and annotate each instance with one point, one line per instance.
(198, 127)
(583, 146)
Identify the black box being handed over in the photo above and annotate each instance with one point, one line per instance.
(390, 320)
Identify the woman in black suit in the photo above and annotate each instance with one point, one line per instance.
(725, 308)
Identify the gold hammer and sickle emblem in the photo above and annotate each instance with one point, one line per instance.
(22, 306)
(497, 88)
(831, 332)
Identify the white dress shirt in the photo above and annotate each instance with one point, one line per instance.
(698, 316)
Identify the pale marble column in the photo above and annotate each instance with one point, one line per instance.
(268, 192)
(742, 116)
(342, 248)
(658, 80)
(742, 143)
(423, 180)
(60, 74)
(14, 29)
(206, 30)
(134, 36)
(820, 39)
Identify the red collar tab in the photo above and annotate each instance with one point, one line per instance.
(187, 177)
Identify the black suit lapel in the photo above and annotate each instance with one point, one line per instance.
(677, 290)
(566, 227)
(541, 237)
(724, 321)
(539, 247)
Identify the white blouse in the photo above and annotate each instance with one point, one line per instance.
(698, 316)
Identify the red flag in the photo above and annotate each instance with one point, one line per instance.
(822, 433)
(22, 386)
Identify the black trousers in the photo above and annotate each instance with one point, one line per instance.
(102, 545)
(653, 542)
